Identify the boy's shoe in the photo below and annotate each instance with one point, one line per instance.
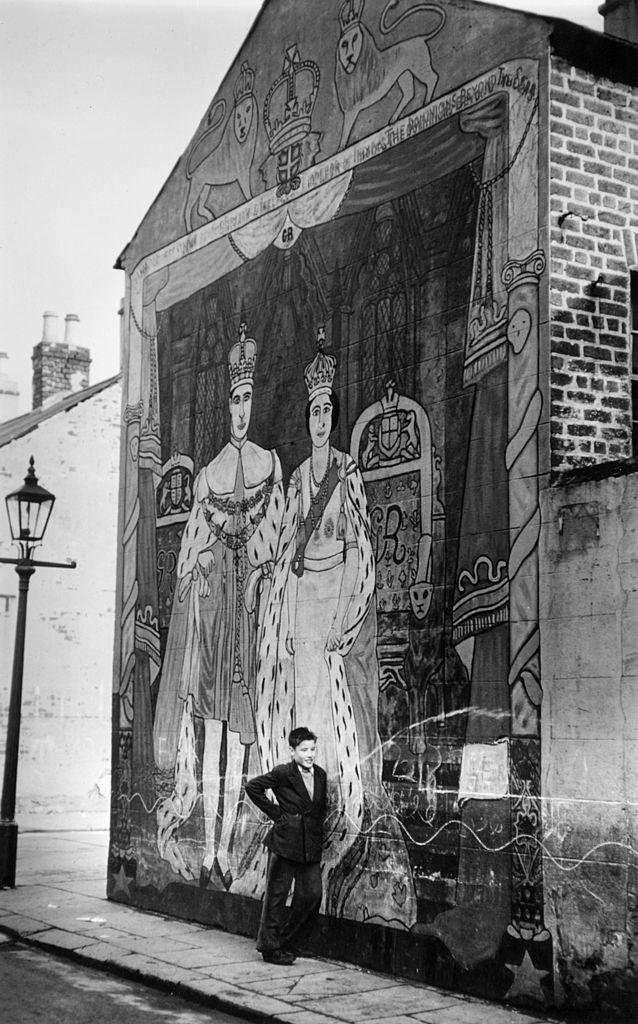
(278, 956)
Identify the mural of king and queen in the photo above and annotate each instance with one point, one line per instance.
(273, 626)
(338, 526)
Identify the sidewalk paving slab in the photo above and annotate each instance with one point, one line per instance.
(60, 906)
(362, 1006)
(300, 985)
(235, 999)
(302, 1016)
(473, 1013)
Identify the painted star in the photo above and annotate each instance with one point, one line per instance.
(122, 883)
(527, 981)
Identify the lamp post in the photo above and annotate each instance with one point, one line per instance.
(29, 509)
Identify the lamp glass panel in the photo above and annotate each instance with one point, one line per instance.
(13, 512)
(28, 519)
(34, 518)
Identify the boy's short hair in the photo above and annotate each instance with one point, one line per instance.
(300, 735)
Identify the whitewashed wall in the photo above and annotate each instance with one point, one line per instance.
(64, 767)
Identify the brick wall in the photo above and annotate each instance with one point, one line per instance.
(594, 238)
(58, 368)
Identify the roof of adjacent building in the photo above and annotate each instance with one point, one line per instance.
(21, 425)
(601, 54)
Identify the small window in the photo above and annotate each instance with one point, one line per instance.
(634, 359)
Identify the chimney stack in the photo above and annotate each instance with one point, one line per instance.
(58, 367)
(621, 19)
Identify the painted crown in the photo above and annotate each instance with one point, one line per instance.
(350, 12)
(319, 374)
(390, 398)
(241, 359)
(245, 83)
(290, 101)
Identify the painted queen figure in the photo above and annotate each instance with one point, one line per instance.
(318, 666)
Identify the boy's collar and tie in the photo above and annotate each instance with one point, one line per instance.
(308, 779)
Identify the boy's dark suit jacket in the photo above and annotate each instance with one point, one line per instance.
(298, 830)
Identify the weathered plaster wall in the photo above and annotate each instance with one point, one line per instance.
(594, 217)
(589, 647)
(64, 765)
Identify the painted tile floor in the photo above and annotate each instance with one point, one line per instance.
(59, 905)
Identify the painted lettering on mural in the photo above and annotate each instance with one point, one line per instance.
(431, 114)
(166, 567)
(386, 532)
(396, 529)
(518, 81)
(484, 771)
(468, 95)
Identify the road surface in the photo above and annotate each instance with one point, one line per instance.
(37, 988)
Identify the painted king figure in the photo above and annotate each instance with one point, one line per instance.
(225, 561)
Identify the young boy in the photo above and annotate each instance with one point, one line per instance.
(295, 842)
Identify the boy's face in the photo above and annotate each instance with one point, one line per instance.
(304, 755)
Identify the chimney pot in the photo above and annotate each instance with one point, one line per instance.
(50, 327)
(71, 322)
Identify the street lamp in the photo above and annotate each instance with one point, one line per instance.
(29, 509)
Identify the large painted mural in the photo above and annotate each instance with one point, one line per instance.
(329, 499)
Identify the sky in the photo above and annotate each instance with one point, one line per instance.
(98, 99)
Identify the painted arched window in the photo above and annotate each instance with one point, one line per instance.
(384, 315)
(211, 388)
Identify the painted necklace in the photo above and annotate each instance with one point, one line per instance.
(320, 488)
(317, 484)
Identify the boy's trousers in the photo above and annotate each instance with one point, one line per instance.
(276, 931)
